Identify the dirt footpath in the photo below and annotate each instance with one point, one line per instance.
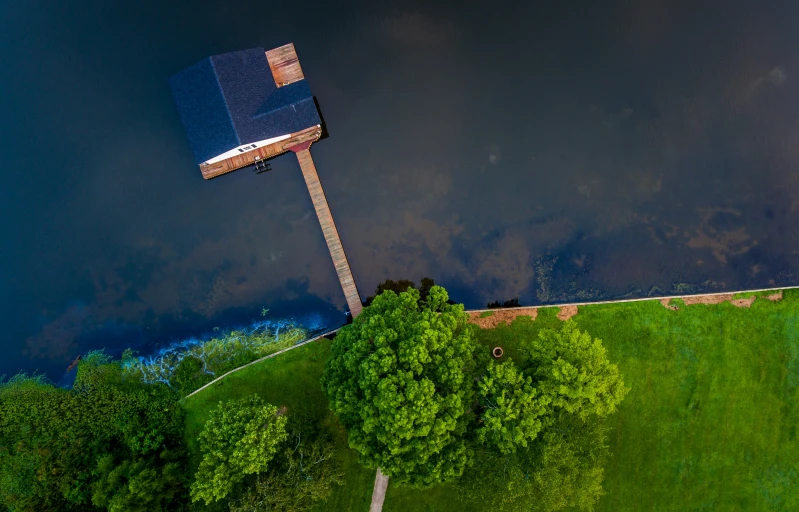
(718, 299)
(500, 316)
(506, 316)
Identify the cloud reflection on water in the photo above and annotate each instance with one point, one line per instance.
(553, 154)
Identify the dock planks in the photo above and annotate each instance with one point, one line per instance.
(329, 229)
(265, 152)
(285, 65)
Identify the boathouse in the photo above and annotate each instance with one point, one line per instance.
(243, 107)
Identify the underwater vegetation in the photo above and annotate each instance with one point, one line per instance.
(188, 364)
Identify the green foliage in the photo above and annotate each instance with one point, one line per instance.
(190, 364)
(510, 303)
(189, 376)
(303, 473)
(142, 416)
(512, 408)
(562, 468)
(239, 438)
(291, 379)
(572, 368)
(400, 380)
(44, 459)
(139, 483)
(486, 314)
(95, 368)
(59, 448)
(402, 285)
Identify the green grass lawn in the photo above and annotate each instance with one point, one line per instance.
(290, 379)
(709, 424)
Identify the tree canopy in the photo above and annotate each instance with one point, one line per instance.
(562, 467)
(514, 412)
(239, 438)
(401, 285)
(572, 369)
(398, 379)
(541, 424)
(107, 443)
(562, 370)
(302, 473)
(418, 398)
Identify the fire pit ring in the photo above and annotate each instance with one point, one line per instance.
(497, 352)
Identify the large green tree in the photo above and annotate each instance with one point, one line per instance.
(417, 398)
(108, 443)
(239, 438)
(560, 370)
(562, 467)
(400, 380)
(541, 424)
(572, 368)
(513, 411)
(301, 475)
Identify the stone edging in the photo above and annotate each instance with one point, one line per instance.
(669, 297)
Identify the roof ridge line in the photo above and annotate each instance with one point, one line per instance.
(224, 99)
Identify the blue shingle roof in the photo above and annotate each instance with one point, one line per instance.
(231, 99)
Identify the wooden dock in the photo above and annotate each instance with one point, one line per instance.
(328, 227)
(262, 153)
(284, 66)
(300, 143)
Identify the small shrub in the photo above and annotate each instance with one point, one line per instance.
(511, 303)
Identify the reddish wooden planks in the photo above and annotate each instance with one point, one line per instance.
(285, 65)
(248, 157)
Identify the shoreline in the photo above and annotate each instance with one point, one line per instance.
(567, 309)
(666, 297)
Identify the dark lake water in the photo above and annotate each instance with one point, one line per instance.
(581, 151)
